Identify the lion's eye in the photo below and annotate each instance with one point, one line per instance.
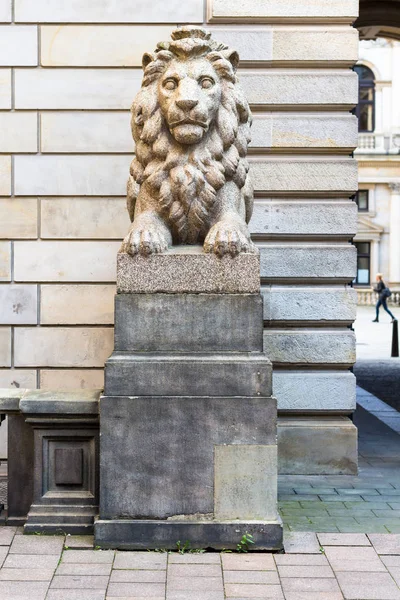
(170, 85)
(206, 83)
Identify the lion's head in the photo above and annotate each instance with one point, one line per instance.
(191, 124)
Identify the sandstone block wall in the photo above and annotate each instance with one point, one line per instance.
(68, 74)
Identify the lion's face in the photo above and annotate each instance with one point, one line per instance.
(189, 93)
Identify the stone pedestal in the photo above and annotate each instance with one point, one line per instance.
(188, 424)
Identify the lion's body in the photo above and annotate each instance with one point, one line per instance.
(190, 186)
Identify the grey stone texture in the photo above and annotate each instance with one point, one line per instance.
(169, 441)
(188, 322)
(200, 190)
(187, 269)
(153, 374)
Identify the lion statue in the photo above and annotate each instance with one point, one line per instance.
(189, 181)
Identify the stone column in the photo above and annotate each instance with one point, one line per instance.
(188, 425)
(394, 275)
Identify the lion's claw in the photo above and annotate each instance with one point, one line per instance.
(227, 239)
(144, 242)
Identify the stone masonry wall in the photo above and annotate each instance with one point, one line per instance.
(68, 74)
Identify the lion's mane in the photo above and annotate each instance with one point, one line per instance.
(186, 179)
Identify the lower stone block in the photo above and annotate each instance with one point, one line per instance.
(150, 534)
(317, 446)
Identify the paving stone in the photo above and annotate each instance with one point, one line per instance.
(357, 491)
(145, 590)
(268, 577)
(79, 541)
(234, 590)
(385, 543)
(32, 590)
(387, 512)
(247, 562)
(31, 561)
(200, 558)
(316, 572)
(301, 559)
(6, 535)
(26, 574)
(301, 543)
(138, 575)
(140, 560)
(313, 596)
(75, 595)
(84, 569)
(353, 559)
(88, 556)
(340, 498)
(368, 586)
(206, 584)
(183, 595)
(81, 582)
(25, 544)
(194, 570)
(391, 561)
(293, 584)
(343, 539)
(395, 573)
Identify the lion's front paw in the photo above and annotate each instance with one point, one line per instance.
(145, 242)
(224, 238)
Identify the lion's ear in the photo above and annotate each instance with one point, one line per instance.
(147, 59)
(232, 56)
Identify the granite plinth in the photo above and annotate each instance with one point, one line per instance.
(154, 374)
(157, 454)
(217, 535)
(188, 322)
(188, 270)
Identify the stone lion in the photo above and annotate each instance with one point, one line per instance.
(189, 181)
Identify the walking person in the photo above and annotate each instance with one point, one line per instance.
(384, 294)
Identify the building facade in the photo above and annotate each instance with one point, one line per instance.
(69, 72)
(378, 156)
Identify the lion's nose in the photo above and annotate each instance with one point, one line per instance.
(186, 104)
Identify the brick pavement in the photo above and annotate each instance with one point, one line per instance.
(326, 566)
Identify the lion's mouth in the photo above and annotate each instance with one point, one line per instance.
(188, 122)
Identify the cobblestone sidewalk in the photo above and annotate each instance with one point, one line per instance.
(315, 567)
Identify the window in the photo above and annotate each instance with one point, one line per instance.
(363, 263)
(362, 200)
(365, 110)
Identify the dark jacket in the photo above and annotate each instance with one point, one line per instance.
(379, 289)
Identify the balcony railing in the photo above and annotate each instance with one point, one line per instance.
(378, 143)
(369, 297)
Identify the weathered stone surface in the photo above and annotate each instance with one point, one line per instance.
(5, 88)
(188, 322)
(5, 171)
(154, 374)
(20, 472)
(65, 379)
(173, 456)
(295, 87)
(99, 45)
(143, 534)
(5, 11)
(75, 88)
(267, 10)
(83, 218)
(93, 11)
(319, 391)
(18, 45)
(64, 261)
(68, 402)
(18, 378)
(77, 304)
(10, 399)
(283, 174)
(18, 304)
(328, 131)
(288, 262)
(62, 346)
(19, 131)
(187, 269)
(5, 346)
(291, 304)
(310, 346)
(316, 446)
(245, 482)
(5, 261)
